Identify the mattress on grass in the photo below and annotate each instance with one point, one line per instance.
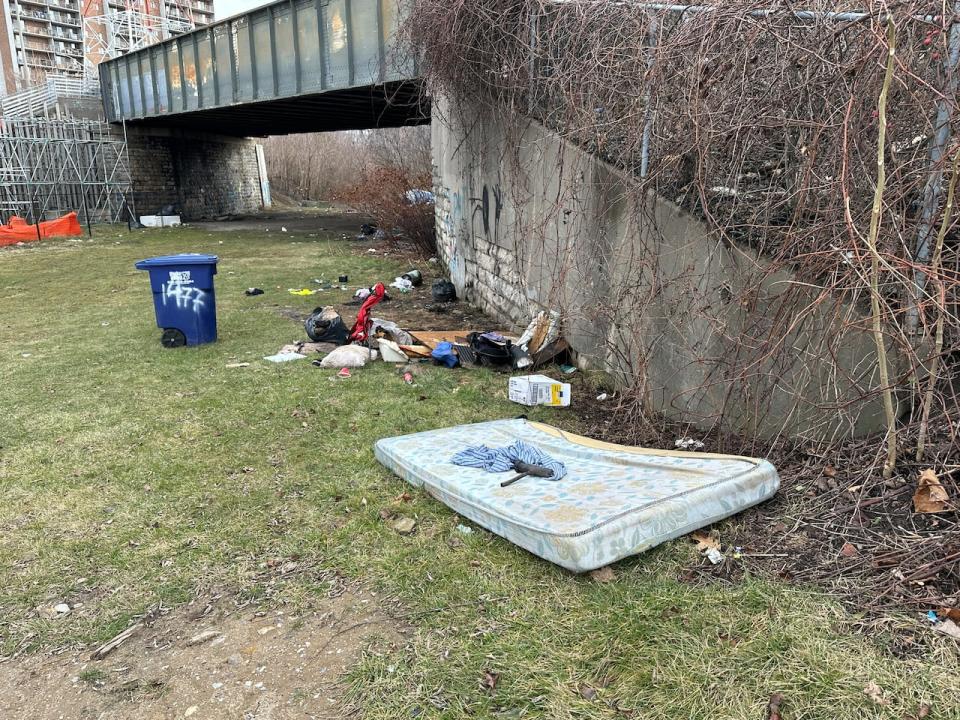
(615, 501)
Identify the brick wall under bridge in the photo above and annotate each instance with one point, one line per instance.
(201, 175)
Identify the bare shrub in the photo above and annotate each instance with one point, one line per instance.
(370, 170)
(763, 123)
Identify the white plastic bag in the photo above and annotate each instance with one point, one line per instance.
(351, 356)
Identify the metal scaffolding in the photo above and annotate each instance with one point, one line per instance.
(51, 167)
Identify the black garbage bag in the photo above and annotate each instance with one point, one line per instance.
(326, 325)
(490, 348)
(443, 291)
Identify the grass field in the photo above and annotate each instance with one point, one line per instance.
(132, 475)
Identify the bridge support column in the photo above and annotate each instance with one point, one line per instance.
(202, 175)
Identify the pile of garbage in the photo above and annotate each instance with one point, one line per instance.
(371, 338)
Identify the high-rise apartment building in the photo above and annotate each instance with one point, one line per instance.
(39, 38)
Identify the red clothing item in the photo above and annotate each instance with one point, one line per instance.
(361, 328)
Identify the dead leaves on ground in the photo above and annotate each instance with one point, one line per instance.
(603, 575)
(773, 706)
(706, 541)
(931, 496)
(489, 680)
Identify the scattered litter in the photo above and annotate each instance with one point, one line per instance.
(367, 229)
(302, 291)
(602, 396)
(443, 353)
(464, 529)
(344, 373)
(948, 627)
(237, 365)
(104, 324)
(688, 444)
(343, 278)
(61, 608)
(203, 637)
(306, 348)
(404, 525)
(714, 556)
(390, 330)
(361, 328)
(362, 294)
(253, 291)
(539, 390)
(433, 261)
(371, 250)
(443, 291)
(325, 325)
(390, 351)
(419, 197)
(543, 330)
(26, 355)
(160, 221)
(402, 284)
(282, 229)
(349, 356)
(931, 496)
(408, 378)
(491, 348)
(414, 276)
(568, 369)
(849, 550)
(284, 357)
(603, 575)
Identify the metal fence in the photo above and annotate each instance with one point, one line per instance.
(51, 167)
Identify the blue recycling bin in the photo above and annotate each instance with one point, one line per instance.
(183, 297)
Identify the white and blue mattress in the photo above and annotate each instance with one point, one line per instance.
(615, 500)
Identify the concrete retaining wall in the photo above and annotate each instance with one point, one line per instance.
(526, 221)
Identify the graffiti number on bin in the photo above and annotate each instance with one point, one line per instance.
(180, 290)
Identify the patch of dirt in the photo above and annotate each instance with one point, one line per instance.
(336, 219)
(210, 662)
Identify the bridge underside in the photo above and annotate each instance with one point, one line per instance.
(392, 104)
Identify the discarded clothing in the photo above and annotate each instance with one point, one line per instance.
(250, 292)
(444, 354)
(498, 460)
(361, 328)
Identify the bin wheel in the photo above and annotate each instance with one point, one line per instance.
(173, 338)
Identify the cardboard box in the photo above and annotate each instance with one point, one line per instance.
(539, 390)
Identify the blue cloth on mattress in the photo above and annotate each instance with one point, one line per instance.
(498, 460)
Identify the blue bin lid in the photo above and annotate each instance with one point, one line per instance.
(182, 259)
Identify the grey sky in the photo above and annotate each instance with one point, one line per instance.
(226, 8)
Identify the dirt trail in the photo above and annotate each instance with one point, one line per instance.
(260, 665)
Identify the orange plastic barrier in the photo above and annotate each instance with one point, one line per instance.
(18, 230)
